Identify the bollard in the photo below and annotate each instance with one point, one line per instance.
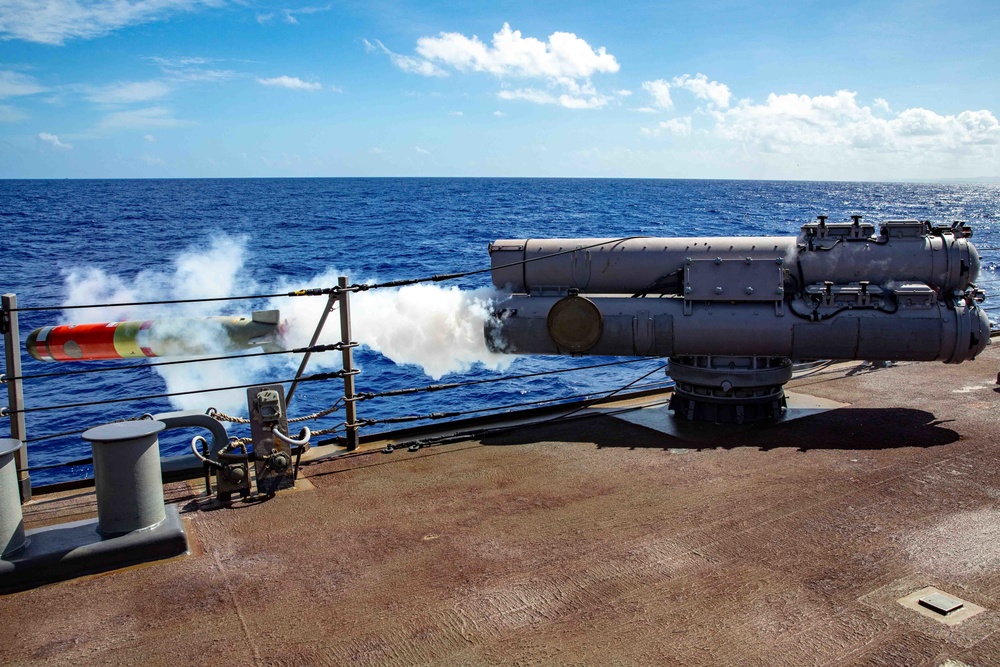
(11, 520)
(127, 476)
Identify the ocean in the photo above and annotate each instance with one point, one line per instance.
(106, 241)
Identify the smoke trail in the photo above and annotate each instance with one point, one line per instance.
(439, 329)
(212, 270)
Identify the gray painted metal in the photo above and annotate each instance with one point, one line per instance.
(15, 390)
(941, 603)
(837, 291)
(11, 519)
(196, 419)
(350, 402)
(127, 475)
(272, 456)
(68, 550)
(660, 328)
(330, 302)
(944, 261)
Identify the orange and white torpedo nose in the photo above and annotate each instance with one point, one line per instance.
(182, 337)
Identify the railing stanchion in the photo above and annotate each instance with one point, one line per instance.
(312, 343)
(350, 405)
(15, 390)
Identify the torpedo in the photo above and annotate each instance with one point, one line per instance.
(178, 337)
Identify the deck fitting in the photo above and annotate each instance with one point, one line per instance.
(940, 606)
(69, 550)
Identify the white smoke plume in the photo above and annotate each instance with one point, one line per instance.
(439, 329)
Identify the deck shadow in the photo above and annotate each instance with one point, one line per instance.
(845, 429)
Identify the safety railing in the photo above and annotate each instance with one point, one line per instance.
(346, 432)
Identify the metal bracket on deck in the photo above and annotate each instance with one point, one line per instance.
(272, 453)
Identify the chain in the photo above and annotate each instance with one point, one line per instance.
(223, 417)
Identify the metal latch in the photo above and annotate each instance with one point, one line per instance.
(269, 405)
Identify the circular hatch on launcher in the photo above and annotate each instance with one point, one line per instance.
(575, 324)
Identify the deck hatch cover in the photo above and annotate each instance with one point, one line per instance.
(940, 603)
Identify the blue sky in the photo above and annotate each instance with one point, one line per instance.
(710, 89)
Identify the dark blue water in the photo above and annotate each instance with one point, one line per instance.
(292, 230)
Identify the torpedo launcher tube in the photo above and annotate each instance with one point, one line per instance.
(180, 337)
(733, 312)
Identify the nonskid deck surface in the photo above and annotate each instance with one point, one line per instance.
(595, 541)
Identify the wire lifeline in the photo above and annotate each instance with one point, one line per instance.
(308, 378)
(129, 367)
(613, 393)
(365, 396)
(479, 433)
(315, 291)
(67, 464)
(218, 415)
(445, 415)
(453, 276)
(55, 435)
(323, 291)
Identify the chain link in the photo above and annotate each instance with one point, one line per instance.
(223, 417)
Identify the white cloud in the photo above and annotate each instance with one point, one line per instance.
(564, 100)
(498, 114)
(150, 138)
(182, 61)
(128, 92)
(53, 140)
(291, 82)
(15, 84)
(564, 63)
(455, 113)
(192, 68)
(376, 150)
(152, 160)
(788, 122)
(834, 135)
(714, 92)
(421, 150)
(264, 18)
(564, 55)
(660, 90)
(680, 127)
(55, 21)
(406, 63)
(9, 114)
(141, 119)
(290, 17)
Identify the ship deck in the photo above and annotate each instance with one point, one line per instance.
(591, 541)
